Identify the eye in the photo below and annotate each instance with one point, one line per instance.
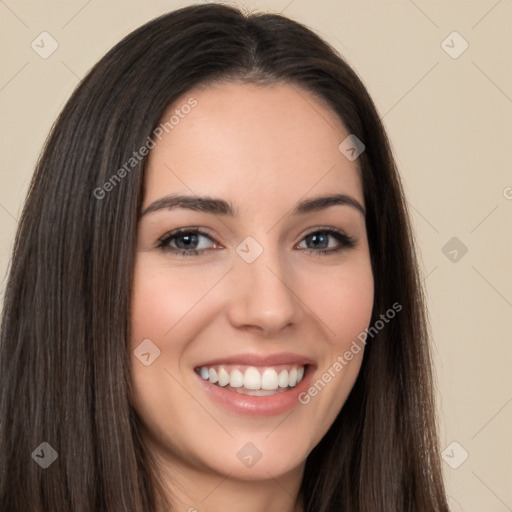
(186, 242)
(326, 241)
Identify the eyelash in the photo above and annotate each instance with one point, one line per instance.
(346, 242)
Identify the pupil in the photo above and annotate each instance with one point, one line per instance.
(188, 239)
(317, 240)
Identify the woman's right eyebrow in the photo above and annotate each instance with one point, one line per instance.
(217, 206)
(200, 204)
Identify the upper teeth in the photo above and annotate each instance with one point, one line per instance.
(253, 378)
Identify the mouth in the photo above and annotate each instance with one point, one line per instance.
(253, 380)
(256, 385)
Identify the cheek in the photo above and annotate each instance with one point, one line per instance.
(163, 297)
(166, 306)
(343, 300)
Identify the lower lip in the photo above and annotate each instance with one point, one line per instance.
(270, 405)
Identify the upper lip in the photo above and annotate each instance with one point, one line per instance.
(259, 360)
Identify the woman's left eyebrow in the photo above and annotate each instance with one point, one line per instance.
(322, 202)
(221, 207)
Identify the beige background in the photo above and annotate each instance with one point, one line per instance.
(450, 122)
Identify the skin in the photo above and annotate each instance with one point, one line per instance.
(264, 149)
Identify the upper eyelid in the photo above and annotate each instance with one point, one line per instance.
(324, 228)
(205, 231)
(192, 229)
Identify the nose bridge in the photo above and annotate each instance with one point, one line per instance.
(264, 297)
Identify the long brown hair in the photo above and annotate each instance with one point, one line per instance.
(65, 363)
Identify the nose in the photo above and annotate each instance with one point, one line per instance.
(264, 298)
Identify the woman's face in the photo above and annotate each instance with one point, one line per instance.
(263, 282)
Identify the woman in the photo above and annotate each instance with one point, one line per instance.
(214, 301)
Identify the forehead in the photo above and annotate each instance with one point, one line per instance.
(243, 139)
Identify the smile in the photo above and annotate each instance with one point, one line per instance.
(256, 385)
(252, 380)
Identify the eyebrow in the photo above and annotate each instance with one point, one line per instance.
(222, 207)
(320, 203)
(200, 204)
